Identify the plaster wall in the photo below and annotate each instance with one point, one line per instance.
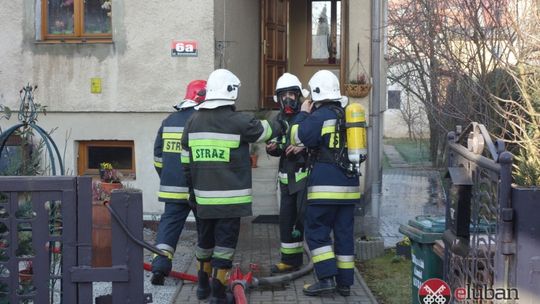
(138, 127)
(137, 71)
(237, 35)
(395, 125)
(140, 79)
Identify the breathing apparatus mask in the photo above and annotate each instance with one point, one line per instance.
(288, 93)
(289, 101)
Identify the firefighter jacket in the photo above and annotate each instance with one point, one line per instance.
(168, 160)
(292, 168)
(219, 171)
(328, 182)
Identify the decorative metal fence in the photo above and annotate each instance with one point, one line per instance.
(46, 243)
(478, 235)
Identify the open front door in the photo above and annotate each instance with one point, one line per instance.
(274, 18)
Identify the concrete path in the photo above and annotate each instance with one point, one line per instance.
(259, 244)
(406, 193)
(394, 157)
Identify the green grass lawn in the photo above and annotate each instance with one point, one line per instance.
(414, 152)
(388, 277)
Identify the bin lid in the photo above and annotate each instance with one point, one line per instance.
(427, 223)
(419, 236)
(424, 228)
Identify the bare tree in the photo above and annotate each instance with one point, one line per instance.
(473, 60)
(413, 60)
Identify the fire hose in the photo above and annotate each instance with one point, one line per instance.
(237, 281)
(146, 266)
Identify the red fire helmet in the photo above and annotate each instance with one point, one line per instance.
(196, 91)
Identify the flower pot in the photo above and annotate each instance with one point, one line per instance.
(107, 188)
(357, 90)
(101, 235)
(403, 250)
(253, 159)
(369, 249)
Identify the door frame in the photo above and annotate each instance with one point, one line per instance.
(262, 51)
(344, 57)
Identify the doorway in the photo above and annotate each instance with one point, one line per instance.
(300, 37)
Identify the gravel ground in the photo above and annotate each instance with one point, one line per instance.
(182, 257)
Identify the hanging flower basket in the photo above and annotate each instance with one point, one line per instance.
(357, 90)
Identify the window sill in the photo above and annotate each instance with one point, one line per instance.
(315, 63)
(72, 41)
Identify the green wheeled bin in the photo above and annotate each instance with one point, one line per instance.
(423, 231)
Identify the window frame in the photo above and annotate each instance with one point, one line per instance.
(333, 31)
(82, 162)
(78, 35)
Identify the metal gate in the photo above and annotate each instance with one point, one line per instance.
(479, 236)
(46, 242)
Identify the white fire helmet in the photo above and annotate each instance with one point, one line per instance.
(221, 89)
(324, 85)
(289, 82)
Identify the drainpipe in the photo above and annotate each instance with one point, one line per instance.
(374, 173)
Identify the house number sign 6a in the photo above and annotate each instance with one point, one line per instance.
(184, 48)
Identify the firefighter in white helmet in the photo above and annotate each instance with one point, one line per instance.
(333, 186)
(292, 176)
(217, 138)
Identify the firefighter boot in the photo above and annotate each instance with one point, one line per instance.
(218, 285)
(161, 267)
(343, 290)
(282, 268)
(203, 285)
(323, 286)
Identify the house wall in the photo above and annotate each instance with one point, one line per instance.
(140, 79)
(359, 32)
(141, 128)
(237, 26)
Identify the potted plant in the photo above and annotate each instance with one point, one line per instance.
(110, 178)
(403, 248)
(358, 87)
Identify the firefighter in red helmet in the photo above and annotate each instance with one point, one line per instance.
(173, 189)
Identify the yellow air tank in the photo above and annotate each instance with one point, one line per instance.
(355, 122)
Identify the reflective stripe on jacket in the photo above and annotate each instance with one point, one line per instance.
(292, 169)
(218, 144)
(168, 158)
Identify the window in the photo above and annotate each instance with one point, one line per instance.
(76, 20)
(394, 99)
(121, 154)
(324, 28)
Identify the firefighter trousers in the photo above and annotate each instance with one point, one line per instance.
(170, 227)
(290, 218)
(217, 241)
(320, 220)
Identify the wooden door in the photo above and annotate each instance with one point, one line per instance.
(274, 19)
